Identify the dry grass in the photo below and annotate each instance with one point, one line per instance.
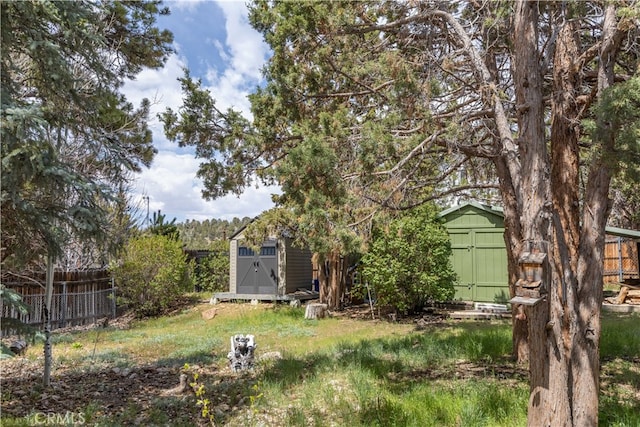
(346, 370)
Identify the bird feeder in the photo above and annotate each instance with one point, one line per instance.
(532, 283)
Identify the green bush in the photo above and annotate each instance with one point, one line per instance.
(408, 262)
(151, 274)
(212, 273)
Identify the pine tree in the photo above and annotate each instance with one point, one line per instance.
(70, 139)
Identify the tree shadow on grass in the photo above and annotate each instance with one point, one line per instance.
(620, 392)
(115, 389)
(478, 355)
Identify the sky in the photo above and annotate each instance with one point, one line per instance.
(215, 41)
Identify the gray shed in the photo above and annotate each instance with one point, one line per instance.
(277, 271)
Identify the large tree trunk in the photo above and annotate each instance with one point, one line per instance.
(528, 209)
(564, 330)
(596, 208)
(551, 390)
(330, 278)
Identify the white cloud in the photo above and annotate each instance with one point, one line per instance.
(189, 5)
(162, 89)
(173, 188)
(170, 182)
(245, 53)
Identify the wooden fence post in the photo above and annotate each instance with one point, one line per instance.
(113, 298)
(620, 267)
(63, 305)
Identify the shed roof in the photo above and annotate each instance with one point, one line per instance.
(497, 210)
(241, 229)
(622, 232)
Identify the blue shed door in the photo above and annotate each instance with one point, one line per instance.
(257, 273)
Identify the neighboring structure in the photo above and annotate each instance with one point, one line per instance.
(621, 252)
(80, 297)
(480, 259)
(278, 271)
(479, 256)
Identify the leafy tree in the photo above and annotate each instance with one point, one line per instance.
(69, 139)
(408, 263)
(387, 105)
(151, 273)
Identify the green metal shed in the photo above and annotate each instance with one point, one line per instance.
(479, 255)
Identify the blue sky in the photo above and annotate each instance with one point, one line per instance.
(215, 41)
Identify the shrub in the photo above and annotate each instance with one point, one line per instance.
(408, 262)
(211, 274)
(151, 274)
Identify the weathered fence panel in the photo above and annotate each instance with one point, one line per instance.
(79, 297)
(620, 259)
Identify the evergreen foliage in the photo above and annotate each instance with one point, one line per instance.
(70, 139)
(159, 226)
(211, 274)
(151, 273)
(408, 263)
(11, 325)
(205, 235)
(620, 108)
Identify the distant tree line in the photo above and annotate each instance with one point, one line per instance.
(196, 234)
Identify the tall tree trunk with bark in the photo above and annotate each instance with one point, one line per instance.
(330, 278)
(534, 159)
(564, 330)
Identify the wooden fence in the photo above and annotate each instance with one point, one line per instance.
(620, 259)
(79, 297)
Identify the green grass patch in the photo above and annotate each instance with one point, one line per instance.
(335, 371)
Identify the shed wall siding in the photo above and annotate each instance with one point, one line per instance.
(233, 265)
(298, 268)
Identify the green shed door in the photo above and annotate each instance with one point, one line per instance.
(462, 260)
(490, 264)
(479, 259)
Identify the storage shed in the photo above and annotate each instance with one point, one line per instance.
(277, 271)
(480, 258)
